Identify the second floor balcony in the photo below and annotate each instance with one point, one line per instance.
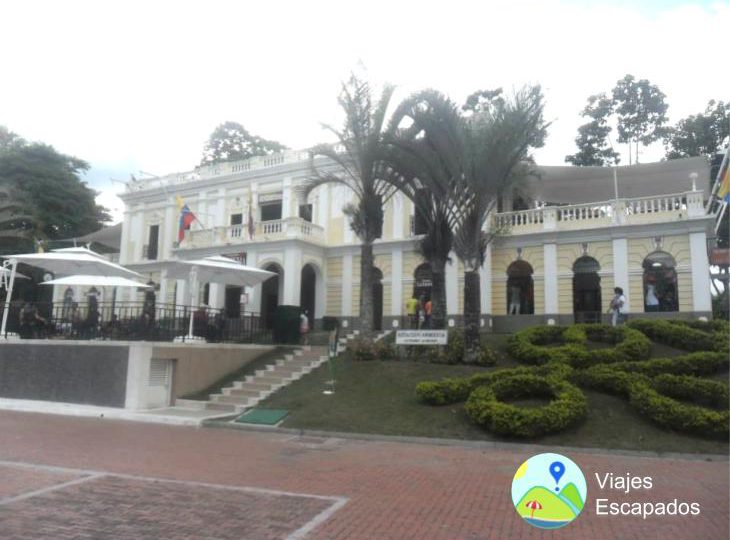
(265, 231)
(626, 211)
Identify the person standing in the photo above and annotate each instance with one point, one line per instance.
(618, 307)
(427, 309)
(304, 327)
(652, 302)
(515, 297)
(412, 311)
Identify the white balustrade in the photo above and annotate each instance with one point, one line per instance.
(606, 213)
(265, 231)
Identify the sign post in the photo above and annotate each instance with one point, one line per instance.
(421, 337)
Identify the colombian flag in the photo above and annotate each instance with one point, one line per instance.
(186, 219)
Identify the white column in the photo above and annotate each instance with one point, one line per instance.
(452, 286)
(700, 272)
(347, 285)
(485, 277)
(621, 268)
(292, 276)
(398, 216)
(216, 295)
(168, 234)
(124, 255)
(254, 293)
(323, 215)
(287, 207)
(396, 282)
(183, 296)
(162, 298)
(550, 256)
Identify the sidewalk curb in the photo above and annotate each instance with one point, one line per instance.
(462, 443)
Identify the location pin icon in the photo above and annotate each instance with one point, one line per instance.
(557, 470)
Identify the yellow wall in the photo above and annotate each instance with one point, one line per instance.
(501, 259)
(567, 255)
(335, 231)
(334, 287)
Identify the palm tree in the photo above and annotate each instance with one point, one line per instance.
(494, 155)
(464, 164)
(416, 153)
(356, 162)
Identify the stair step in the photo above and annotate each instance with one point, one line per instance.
(214, 406)
(253, 385)
(190, 404)
(233, 400)
(245, 392)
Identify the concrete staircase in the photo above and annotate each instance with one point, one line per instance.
(247, 393)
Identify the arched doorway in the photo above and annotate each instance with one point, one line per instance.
(308, 294)
(422, 282)
(587, 306)
(377, 299)
(660, 282)
(520, 289)
(270, 294)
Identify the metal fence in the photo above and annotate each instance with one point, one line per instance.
(131, 321)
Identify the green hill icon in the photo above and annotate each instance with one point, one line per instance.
(556, 507)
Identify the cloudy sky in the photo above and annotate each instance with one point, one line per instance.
(139, 85)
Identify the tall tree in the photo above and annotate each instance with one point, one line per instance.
(594, 147)
(414, 157)
(44, 195)
(495, 153)
(358, 165)
(702, 134)
(641, 113)
(230, 141)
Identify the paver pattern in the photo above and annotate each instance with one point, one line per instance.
(393, 490)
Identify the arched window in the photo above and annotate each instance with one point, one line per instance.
(660, 282)
(520, 289)
(587, 290)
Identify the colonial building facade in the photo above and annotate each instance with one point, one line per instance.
(569, 238)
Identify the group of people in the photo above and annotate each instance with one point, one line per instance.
(419, 312)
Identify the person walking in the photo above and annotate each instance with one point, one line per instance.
(618, 307)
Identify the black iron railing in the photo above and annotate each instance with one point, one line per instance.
(131, 321)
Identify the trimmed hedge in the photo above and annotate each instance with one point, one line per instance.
(685, 335)
(673, 414)
(486, 407)
(457, 389)
(530, 346)
(365, 350)
(453, 352)
(701, 391)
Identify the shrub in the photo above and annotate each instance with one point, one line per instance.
(701, 391)
(365, 350)
(697, 364)
(457, 389)
(530, 345)
(605, 378)
(486, 407)
(487, 356)
(680, 335)
(673, 414)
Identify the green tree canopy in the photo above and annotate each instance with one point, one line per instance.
(702, 134)
(230, 141)
(44, 196)
(592, 141)
(638, 110)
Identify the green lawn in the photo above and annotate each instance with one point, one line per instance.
(379, 397)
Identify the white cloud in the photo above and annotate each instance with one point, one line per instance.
(131, 85)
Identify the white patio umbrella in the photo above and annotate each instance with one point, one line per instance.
(70, 261)
(96, 281)
(214, 269)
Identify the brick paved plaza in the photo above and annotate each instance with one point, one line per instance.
(64, 478)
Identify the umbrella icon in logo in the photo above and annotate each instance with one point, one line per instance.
(533, 505)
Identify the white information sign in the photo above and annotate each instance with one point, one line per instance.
(421, 337)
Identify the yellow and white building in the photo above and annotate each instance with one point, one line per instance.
(560, 251)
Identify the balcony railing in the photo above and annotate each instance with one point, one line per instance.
(631, 211)
(265, 231)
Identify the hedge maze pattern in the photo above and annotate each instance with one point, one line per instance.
(671, 392)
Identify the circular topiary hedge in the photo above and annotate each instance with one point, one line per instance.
(486, 405)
